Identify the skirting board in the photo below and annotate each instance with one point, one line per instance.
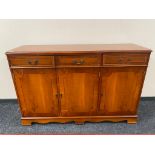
(152, 98)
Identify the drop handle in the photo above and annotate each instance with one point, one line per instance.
(58, 94)
(120, 60)
(35, 62)
(78, 62)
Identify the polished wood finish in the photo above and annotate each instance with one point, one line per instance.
(77, 49)
(125, 58)
(78, 119)
(32, 61)
(33, 87)
(79, 91)
(120, 88)
(64, 83)
(82, 60)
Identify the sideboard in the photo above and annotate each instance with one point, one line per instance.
(80, 83)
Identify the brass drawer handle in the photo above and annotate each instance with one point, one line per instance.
(129, 59)
(120, 60)
(75, 62)
(35, 62)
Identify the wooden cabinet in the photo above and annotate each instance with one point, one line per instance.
(63, 83)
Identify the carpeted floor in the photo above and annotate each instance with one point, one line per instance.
(10, 123)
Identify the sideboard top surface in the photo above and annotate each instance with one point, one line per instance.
(77, 48)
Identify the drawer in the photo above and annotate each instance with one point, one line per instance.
(82, 60)
(31, 60)
(133, 59)
(137, 59)
(113, 59)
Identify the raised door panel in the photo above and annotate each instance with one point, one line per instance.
(120, 90)
(36, 90)
(79, 91)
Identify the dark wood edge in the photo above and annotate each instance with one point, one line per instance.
(74, 52)
(80, 117)
(139, 94)
(123, 65)
(24, 67)
(127, 52)
(115, 65)
(58, 90)
(142, 84)
(56, 53)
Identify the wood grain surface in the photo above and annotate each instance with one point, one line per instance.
(64, 83)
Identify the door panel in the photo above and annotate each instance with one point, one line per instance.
(36, 89)
(120, 90)
(79, 91)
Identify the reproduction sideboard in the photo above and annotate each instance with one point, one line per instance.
(80, 83)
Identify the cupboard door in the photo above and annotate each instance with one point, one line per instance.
(120, 90)
(78, 91)
(36, 90)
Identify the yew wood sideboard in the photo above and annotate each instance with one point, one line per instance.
(87, 82)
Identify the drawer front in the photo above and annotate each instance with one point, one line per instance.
(137, 59)
(82, 60)
(31, 60)
(131, 59)
(113, 59)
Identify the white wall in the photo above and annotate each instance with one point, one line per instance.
(14, 33)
